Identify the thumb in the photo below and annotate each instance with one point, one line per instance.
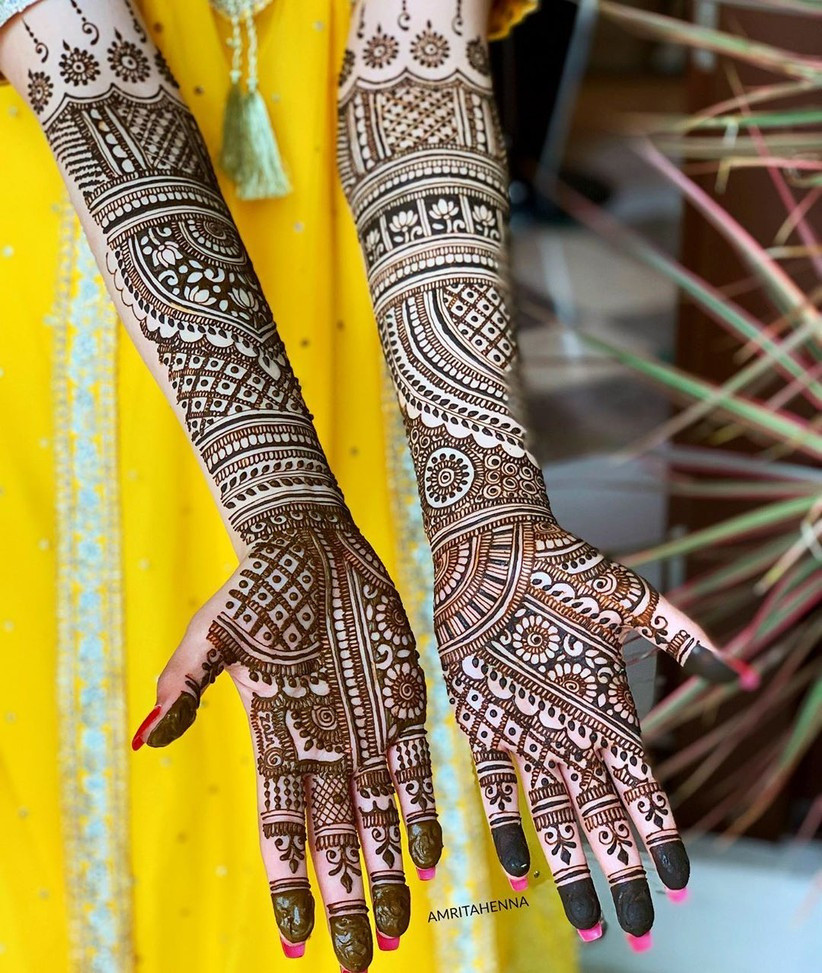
(671, 630)
(192, 668)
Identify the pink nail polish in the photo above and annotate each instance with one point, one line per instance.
(292, 950)
(387, 943)
(589, 935)
(677, 895)
(426, 874)
(749, 678)
(639, 944)
(519, 884)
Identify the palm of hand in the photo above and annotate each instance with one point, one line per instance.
(315, 637)
(530, 622)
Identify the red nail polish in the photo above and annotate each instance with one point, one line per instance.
(426, 874)
(589, 935)
(292, 950)
(677, 895)
(519, 884)
(138, 740)
(387, 943)
(639, 944)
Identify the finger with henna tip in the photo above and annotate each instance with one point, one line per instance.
(409, 761)
(559, 834)
(335, 851)
(672, 630)
(651, 814)
(497, 779)
(718, 668)
(634, 908)
(608, 830)
(175, 721)
(281, 807)
(192, 668)
(379, 828)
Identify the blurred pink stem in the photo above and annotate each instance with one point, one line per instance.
(787, 295)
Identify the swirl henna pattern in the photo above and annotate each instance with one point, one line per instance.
(310, 626)
(530, 620)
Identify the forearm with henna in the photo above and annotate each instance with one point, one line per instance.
(310, 627)
(530, 619)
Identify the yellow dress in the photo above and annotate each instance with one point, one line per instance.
(115, 862)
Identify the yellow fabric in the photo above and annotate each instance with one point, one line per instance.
(199, 899)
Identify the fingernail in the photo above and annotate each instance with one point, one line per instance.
(426, 874)
(292, 950)
(677, 895)
(518, 884)
(344, 970)
(749, 678)
(138, 740)
(639, 944)
(589, 935)
(387, 943)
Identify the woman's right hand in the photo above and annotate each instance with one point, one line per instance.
(313, 633)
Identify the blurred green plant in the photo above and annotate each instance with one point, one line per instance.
(766, 560)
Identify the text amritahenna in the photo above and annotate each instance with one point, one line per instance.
(477, 909)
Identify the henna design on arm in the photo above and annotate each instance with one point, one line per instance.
(530, 620)
(310, 626)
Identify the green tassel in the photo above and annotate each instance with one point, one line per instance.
(229, 158)
(261, 174)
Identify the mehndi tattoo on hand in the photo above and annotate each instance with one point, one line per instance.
(310, 627)
(530, 620)
(315, 637)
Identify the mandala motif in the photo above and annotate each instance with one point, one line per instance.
(40, 90)
(536, 640)
(448, 477)
(429, 48)
(404, 691)
(127, 61)
(380, 50)
(78, 67)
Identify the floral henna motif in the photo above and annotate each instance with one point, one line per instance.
(127, 60)
(78, 66)
(429, 48)
(380, 50)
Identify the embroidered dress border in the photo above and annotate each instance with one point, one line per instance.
(90, 664)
